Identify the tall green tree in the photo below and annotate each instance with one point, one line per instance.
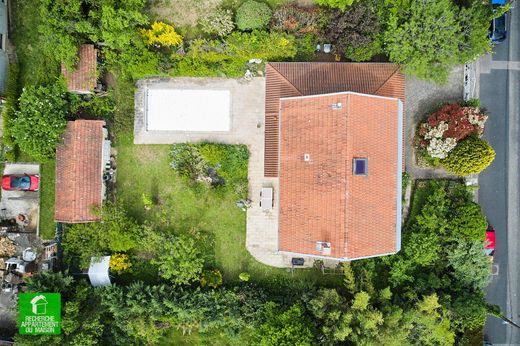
(287, 328)
(40, 120)
(180, 259)
(116, 232)
(431, 323)
(423, 36)
(471, 266)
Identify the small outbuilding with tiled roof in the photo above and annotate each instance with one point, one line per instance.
(83, 78)
(81, 160)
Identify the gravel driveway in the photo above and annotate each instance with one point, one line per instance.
(422, 97)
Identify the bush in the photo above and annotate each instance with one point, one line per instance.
(161, 35)
(341, 4)
(444, 128)
(470, 156)
(468, 221)
(134, 62)
(244, 276)
(120, 263)
(355, 32)
(102, 107)
(219, 22)
(187, 161)
(180, 260)
(211, 278)
(116, 232)
(41, 120)
(229, 58)
(298, 20)
(253, 15)
(470, 265)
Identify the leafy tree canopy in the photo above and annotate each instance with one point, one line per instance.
(116, 232)
(287, 328)
(40, 120)
(471, 266)
(341, 4)
(470, 156)
(468, 221)
(430, 37)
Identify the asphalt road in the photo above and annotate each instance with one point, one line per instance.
(499, 184)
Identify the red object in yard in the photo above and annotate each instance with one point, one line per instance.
(21, 182)
(489, 248)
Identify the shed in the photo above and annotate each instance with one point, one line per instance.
(82, 79)
(81, 159)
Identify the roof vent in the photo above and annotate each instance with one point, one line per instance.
(337, 105)
(323, 247)
(306, 157)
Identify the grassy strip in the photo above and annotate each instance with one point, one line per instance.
(420, 191)
(47, 195)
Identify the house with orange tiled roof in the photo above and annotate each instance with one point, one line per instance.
(333, 138)
(82, 160)
(326, 152)
(82, 79)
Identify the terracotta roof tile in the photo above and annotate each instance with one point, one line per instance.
(320, 199)
(79, 171)
(84, 77)
(285, 79)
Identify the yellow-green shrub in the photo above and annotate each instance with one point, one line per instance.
(470, 156)
(162, 35)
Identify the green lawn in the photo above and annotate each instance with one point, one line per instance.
(181, 207)
(35, 67)
(47, 192)
(47, 175)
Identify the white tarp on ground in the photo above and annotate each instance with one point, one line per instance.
(98, 271)
(188, 110)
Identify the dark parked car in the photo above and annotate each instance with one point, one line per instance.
(497, 29)
(21, 182)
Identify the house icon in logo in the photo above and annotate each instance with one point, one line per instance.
(39, 305)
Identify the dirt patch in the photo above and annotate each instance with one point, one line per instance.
(181, 12)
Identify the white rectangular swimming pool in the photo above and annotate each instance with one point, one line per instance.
(188, 110)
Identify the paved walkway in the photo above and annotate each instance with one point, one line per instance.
(422, 97)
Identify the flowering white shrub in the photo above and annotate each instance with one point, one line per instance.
(440, 147)
(435, 132)
(444, 128)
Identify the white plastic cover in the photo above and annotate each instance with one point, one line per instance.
(98, 271)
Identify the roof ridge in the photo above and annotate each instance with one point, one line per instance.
(285, 78)
(397, 69)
